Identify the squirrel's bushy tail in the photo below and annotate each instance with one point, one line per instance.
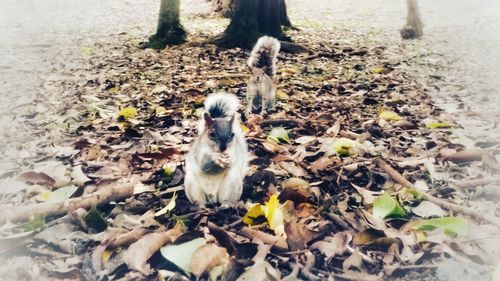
(264, 54)
(221, 105)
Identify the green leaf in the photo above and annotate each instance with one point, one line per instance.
(451, 225)
(169, 169)
(34, 223)
(181, 254)
(343, 147)
(58, 195)
(94, 219)
(387, 207)
(279, 134)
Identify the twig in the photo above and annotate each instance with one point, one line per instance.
(282, 122)
(113, 192)
(354, 278)
(476, 182)
(324, 54)
(396, 176)
(227, 75)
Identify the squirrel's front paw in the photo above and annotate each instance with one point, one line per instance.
(222, 160)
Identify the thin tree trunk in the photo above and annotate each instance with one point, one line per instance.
(169, 30)
(414, 26)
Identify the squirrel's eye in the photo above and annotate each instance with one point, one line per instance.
(211, 135)
(232, 135)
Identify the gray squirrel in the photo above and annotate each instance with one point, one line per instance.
(261, 89)
(216, 163)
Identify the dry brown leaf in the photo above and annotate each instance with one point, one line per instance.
(139, 252)
(207, 257)
(36, 178)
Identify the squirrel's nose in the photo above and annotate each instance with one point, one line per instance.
(222, 147)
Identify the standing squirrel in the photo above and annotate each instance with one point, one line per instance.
(216, 164)
(260, 86)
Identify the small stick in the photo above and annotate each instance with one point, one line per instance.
(476, 182)
(440, 202)
(282, 122)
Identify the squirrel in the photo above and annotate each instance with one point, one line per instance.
(216, 163)
(261, 89)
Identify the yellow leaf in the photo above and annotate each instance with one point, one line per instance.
(170, 206)
(85, 50)
(44, 196)
(274, 212)
(389, 115)
(106, 255)
(169, 169)
(114, 90)
(128, 113)
(380, 70)
(280, 95)
(160, 110)
(343, 146)
(256, 211)
(438, 125)
(245, 129)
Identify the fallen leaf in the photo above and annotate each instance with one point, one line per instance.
(438, 125)
(298, 235)
(342, 147)
(182, 254)
(389, 115)
(387, 207)
(274, 212)
(128, 113)
(451, 225)
(333, 246)
(255, 212)
(36, 178)
(428, 209)
(139, 252)
(279, 134)
(206, 257)
(169, 207)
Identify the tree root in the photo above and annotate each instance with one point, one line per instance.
(396, 176)
(294, 48)
(113, 191)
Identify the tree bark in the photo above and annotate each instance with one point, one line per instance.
(169, 30)
(414, 26)
(250, 20)
(285, 21)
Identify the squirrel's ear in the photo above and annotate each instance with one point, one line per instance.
(231, 119)
(209, 121)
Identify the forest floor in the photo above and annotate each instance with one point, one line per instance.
(358, 186)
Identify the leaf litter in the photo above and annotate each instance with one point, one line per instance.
(316, 204)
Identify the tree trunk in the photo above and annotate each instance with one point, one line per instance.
(250, 20)
(285, 21)
(413, 27)
(169, 30)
